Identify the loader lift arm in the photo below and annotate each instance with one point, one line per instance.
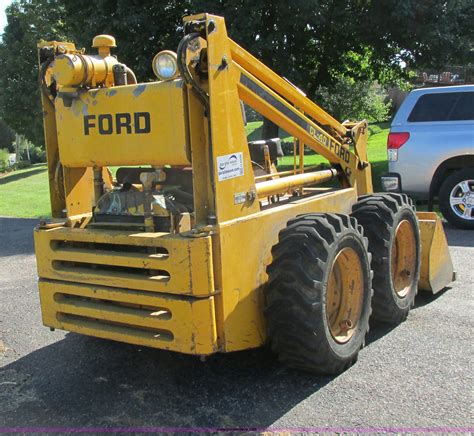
(342, 144)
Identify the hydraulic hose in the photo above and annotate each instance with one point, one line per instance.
(184, 70)
(131, 78)
(202, 95)
(42, 76)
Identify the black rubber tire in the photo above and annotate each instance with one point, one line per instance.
(380, 215)
(443, 197)
(295, 295)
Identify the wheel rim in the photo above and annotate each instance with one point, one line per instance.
(461, 199)
(344, 295)
(403, 258)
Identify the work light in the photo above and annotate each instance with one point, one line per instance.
(165, 65)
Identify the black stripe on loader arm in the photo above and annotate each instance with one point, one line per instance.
(324, 139)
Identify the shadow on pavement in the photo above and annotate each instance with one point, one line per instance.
(377, 330)
(82, 381)
(17, 236)
(424, 298)
(22, 175)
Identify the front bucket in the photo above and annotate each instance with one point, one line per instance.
(436, 265)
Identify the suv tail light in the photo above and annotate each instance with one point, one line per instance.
(396, 140)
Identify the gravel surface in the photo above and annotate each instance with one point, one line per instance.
(417, 375)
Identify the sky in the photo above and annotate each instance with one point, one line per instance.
(3, 18)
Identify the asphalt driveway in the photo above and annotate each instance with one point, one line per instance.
(418, 375)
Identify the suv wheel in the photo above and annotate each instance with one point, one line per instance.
(456, 198)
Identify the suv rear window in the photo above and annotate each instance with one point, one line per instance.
(446, 106)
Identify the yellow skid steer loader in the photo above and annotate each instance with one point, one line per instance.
(199, 244)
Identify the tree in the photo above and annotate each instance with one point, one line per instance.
(7, 136)
(311, 42)
(28, 23)
(424, 33)
(141, 28)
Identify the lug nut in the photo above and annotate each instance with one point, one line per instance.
(345, 325)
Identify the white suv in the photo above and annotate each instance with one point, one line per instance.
(431, 151)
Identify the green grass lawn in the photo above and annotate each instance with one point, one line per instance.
(376, 149)
(24, 193)
(254, 132)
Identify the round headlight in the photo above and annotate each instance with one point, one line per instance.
(165, 65)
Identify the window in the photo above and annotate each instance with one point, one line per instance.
(446, 106)
(464, 109)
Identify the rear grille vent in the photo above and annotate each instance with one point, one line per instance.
(119, 248)
(116, 327)
(160, 313)
(112, 270)
(152, 262)
(125, 318)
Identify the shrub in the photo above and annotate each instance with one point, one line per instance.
(3, 159)
(287, 148)
(252, 114)
(7, 136)
(22, 164)
(348, 99)
(37, 155)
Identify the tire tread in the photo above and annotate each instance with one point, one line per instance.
(294, 293)
(378, 215)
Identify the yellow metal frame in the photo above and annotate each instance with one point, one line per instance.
(135, 317)
(436, 265)
(95, 256)
(124, 114)
(198, 292)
